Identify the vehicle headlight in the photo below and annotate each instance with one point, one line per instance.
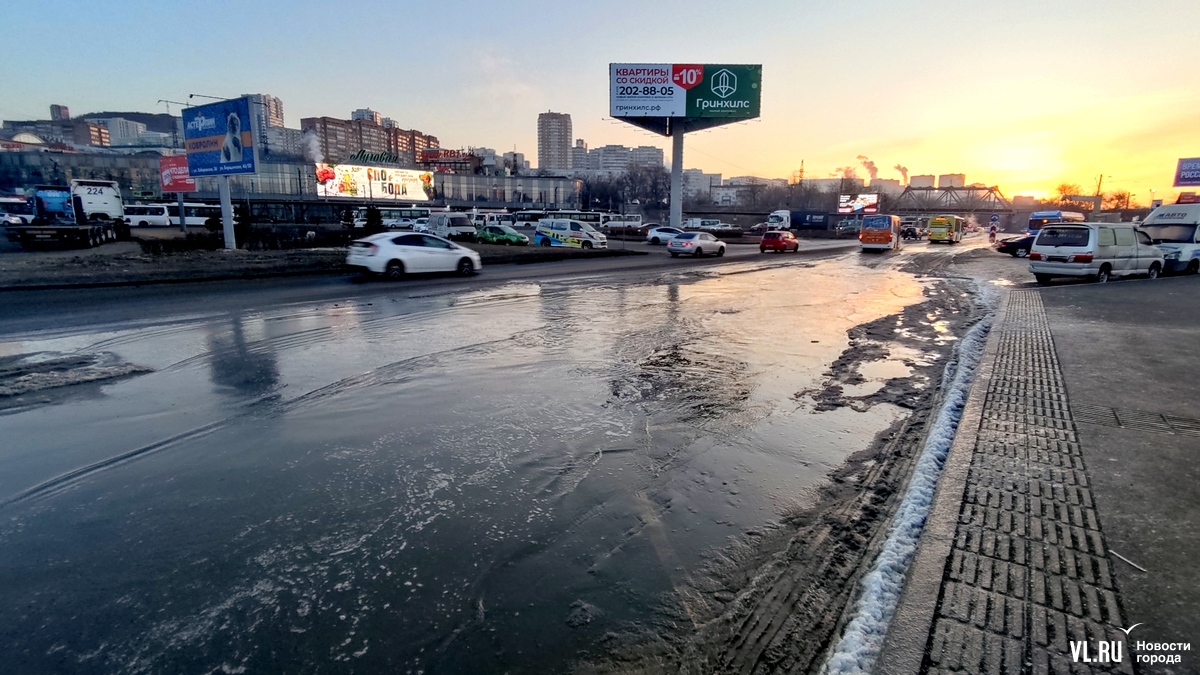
(1172, 255)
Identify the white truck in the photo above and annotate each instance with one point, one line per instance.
(87, 213)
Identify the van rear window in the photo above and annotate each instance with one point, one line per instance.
(1063, 236)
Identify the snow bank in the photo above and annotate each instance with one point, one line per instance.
(861, 643)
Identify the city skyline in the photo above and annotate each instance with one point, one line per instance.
(1020, 96)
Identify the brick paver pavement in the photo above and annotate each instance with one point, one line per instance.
(1027, 570)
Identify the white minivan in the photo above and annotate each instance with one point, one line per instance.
(453, 225)
(147, 215)
(1175, 229)
(1096, 250)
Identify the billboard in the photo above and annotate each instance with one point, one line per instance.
(858, 204)
(372, 182)
(723, 91)
(219, 139)
(1187, 172)
(173, 175)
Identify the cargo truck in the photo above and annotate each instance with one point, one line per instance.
(86, 213)
(798, 220)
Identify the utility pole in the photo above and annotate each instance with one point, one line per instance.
(175, 144)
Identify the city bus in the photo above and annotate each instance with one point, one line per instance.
(948, 229)
(593, 218)
(194, 213)
(392, 214)
(630, 220)
(880, 233)
(1039, 218)
(527, 218)
(16, 211)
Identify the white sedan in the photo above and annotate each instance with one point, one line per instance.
(394, 255)
(657, 235)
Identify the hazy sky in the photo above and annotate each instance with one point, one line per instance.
(1023, 95)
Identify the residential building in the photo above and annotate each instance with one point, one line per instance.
(725, 195)
(696, 182)
(952, 180)
(887, 186)
(368, 115)
(554, 141)
(284, 142)
(121, 131)
(60, 113)
(77, 132)
(515, 163)
(580, 157)
(646, 155)
(755, 181)
(267, 112)
(922, 181)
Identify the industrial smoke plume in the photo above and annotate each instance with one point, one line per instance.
(846, 172)
(903, 173)
(313, 148)
(869, 166)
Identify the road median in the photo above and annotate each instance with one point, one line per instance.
(127, 264)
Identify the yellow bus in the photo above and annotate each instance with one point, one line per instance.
(948, 229)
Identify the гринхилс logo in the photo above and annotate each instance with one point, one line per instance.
(724, 83)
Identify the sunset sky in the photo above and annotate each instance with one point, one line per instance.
(1023, 95)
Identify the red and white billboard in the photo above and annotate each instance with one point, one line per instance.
(173, 175)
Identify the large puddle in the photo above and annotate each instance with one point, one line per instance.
(490, 481)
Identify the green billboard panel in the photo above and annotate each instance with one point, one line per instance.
(680, 90)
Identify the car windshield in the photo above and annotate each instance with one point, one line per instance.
(877, 224)
(1063, 236)
(774, 219)
(771, 235)
(687, 235)
(1178, 234)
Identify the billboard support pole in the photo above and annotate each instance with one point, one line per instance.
(676, 176)
(182, 215)
(227, 213)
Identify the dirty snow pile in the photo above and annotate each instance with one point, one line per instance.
(861, 643)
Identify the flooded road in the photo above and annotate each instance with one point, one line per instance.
(482, 480)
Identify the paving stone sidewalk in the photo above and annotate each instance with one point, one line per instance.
(1013, 565)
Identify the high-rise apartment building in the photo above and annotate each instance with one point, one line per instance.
(267, 112)
(554, 141)
(368, 115)
(338, 139)
(60, 113)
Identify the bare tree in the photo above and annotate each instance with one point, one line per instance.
(1119, 200)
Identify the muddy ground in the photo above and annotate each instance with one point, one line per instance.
(775, 600)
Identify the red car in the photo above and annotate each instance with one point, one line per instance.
(781, 240)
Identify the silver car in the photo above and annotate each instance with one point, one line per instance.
(695, 244)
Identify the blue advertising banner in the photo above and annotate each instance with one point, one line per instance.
(1187, 173)
(219, 139)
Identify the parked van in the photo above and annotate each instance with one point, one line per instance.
(1175, 229)
(880, 233)
(452, 225)
(1096, 250)
(147, 215)
(566, 232)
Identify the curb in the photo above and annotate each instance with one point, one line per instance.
(907, 637)
(236, 276)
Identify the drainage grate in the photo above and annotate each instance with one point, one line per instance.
(1137, 420)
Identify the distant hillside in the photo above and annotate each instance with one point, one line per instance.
(160, 122)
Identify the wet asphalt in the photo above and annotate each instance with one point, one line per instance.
(439, 475)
